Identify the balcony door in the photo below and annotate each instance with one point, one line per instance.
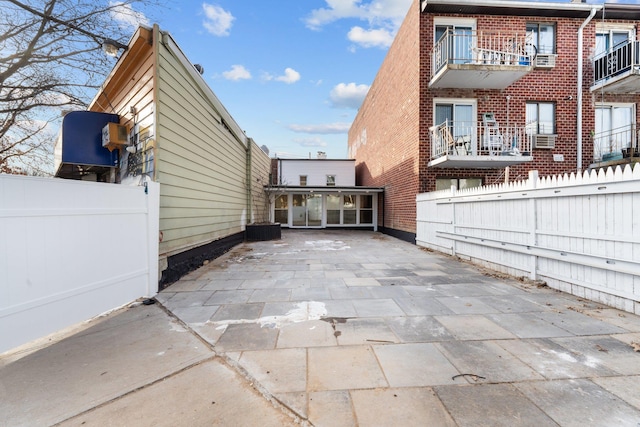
(608, 39)
(460, 115)
(614, 129)
(460, 44)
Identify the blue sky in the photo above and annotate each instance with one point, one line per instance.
(292, 73)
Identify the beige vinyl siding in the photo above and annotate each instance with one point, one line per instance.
(260, 169)
(201, 165)
(130, 85)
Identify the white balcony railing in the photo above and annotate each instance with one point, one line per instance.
(615, 144)
(481, 48)
(476, 139)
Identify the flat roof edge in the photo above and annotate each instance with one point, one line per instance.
(578, 7)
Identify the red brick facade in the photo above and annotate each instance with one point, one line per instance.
(390, 137)
(384, 136)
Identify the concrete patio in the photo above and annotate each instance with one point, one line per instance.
(336, 328)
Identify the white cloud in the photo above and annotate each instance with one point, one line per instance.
(125, 16)
(348, 95)
(322, 129)
(338, 9)
(237, 72)
(370, 38)
(217, 20)
(310, 142)
(290, 76)
(383, 16)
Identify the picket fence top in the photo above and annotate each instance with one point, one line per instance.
(596, 176)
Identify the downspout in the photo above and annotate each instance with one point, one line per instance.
(579, 97)
(249, 162)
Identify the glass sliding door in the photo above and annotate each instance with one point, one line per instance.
(613, 129)
(299, 210)
(460, 42)
(281, 209)
(307, 210)
(460, 116)
(314, 210)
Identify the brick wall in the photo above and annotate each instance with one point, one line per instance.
(558, 85)
(390, 137)
(384, 136)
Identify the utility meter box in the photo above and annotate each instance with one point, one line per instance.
(113, 135)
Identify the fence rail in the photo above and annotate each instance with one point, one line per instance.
(579, 233)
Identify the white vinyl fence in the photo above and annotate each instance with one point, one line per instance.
(578, 233)
(71, 250)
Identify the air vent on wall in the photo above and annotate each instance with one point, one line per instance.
(545, 60)
(544, 141)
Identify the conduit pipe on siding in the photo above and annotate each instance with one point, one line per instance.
(579, 95)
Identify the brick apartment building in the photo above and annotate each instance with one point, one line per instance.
(475, 92)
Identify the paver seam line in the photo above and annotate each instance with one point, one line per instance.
(568, 379)
(616, 395)
(142, 387)
(545, 379)
(306, 380)
(384, 375)
(513, 384)
(242, 373)
(262, 390)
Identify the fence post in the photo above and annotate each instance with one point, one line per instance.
(532, 183)
(453, 219)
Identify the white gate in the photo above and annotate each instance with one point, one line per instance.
(71, 250)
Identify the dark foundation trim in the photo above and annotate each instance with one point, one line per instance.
(399, 234)
(187, 261)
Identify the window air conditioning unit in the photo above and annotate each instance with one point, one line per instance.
(545, 60)
(544, 141)
(114, 134)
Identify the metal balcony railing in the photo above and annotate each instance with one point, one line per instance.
(615, 144)
(481, 48)
(615, 61)
(476, 139)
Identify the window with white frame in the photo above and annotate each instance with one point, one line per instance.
(541, 118)
(303, 180)
(349, 209)
(366, 209)
(331, 180)
(458, 183)
(543, 37)
(609, 38)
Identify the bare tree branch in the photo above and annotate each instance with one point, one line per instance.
(50, 59)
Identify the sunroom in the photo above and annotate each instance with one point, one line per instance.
(322, 207)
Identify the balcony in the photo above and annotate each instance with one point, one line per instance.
(475, 146)
(616, 146)
(477, 60)
(618, 70)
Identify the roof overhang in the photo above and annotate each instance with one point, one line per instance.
(531, 8)
(285, 189)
